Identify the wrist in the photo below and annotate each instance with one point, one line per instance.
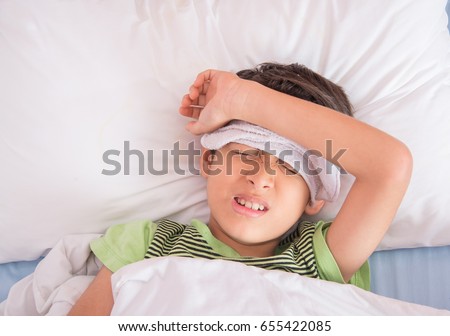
(243, 98)
(256, 98)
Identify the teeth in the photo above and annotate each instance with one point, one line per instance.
(250, 205)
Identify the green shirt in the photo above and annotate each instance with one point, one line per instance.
(304, 251)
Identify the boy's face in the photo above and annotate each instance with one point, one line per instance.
(254, 198)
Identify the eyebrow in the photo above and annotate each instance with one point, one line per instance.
(255, 152)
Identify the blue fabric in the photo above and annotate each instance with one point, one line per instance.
(417, 275)
(447, 8)
(12, 272)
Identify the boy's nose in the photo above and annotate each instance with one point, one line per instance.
(262, 178)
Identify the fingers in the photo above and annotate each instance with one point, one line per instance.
(204, 77)
(198, 92)
(196, 95)
(185, 108)
(194, 92)
(192, 103)
(189, 109)
(201, 83)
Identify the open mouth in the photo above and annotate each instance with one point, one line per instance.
(256, 206)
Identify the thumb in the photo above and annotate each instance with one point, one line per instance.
(195, 127)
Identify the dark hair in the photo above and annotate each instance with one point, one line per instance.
(299, 81)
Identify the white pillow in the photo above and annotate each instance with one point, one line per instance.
(81, 78)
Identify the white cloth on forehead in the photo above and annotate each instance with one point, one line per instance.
(321, 176)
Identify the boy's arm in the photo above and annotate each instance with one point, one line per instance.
(97, 299)
(381, 164)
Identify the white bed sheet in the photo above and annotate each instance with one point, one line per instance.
(419, 275)
(184, 286)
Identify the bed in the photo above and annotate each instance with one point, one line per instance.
(88, 104)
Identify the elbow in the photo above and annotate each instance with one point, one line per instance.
(399, 165)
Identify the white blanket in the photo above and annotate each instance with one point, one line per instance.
(183, 286)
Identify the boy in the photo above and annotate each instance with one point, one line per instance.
(261, 178)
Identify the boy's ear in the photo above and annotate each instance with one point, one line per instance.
(313, 209)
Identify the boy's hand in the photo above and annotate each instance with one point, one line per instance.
(221, 95)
